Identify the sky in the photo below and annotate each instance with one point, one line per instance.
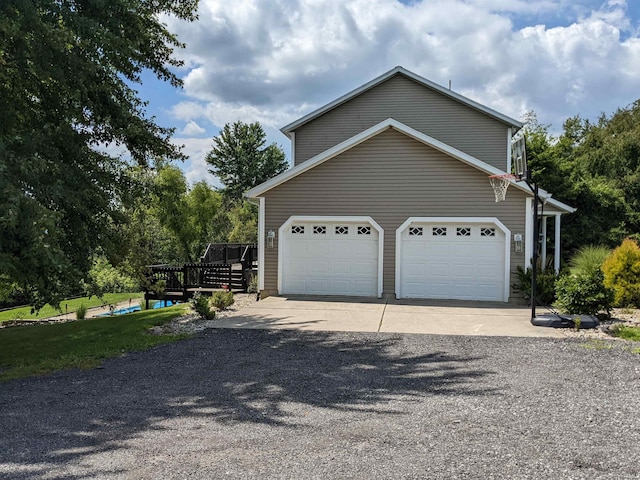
(274, 61)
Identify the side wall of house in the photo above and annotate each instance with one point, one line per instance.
(421, 108)
(390, 177)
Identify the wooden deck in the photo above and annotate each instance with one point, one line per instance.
(181, 283)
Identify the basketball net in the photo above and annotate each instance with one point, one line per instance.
(500, 184)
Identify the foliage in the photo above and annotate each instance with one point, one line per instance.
(622, 274)
(589, 259)
(66, 75)
(626, 332)
(594, 167)
(222, 300)
(81, 312)
(41, 349)
(187, 215)
(545, 284)
(583, 294)
(241, 160)
(244, 223)
(70, 306)
(105, 278)
(252, 287)
(10, 293)
(200, 303)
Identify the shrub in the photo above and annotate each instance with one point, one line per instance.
(222, 300)
(589, 259)
(105, 278)
(252, 287)
(200, 304)
(622, 274)
(545, 284)
(583, 294)
(81, 312)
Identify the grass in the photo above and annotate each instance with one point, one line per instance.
(627, 333)
(25, 313)
(41, 349)
(598, 345)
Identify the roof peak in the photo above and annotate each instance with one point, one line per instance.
(417, 78)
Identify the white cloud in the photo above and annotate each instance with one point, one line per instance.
(275, 61)
(196, 168)
(192, 129)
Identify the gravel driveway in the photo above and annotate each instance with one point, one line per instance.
(293, 404)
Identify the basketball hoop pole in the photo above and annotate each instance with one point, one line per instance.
(534, 259)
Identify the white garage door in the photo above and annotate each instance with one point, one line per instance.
(330, 258)
(463, 261)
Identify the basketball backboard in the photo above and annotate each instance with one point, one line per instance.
(519, 157)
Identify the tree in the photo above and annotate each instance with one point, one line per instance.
(66, 70)
(241, 160)
(244, 223)
(188, 215)
(596, 168)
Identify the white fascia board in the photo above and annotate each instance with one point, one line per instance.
(318, 159)
(560, 206)
(417, 78)
(544, 196)
(366, 135)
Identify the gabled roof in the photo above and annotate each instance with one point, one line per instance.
(410, 132)
(417, 78)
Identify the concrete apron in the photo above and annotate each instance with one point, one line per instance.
(395, 316)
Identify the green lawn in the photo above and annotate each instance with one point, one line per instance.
(628, 333)
(48, 311)
(40, 349)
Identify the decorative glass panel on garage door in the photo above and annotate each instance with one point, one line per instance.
(453, 261)
(330, 258)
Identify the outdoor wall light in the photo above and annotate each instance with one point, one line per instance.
(270, 236)
(517, 240)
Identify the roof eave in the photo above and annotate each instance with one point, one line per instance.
(287, 129)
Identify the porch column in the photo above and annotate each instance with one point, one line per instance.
(556, 246)
(543, 255)
(528, 233)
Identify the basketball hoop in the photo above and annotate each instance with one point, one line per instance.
(500, 184)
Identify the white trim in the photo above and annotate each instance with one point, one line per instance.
(417, 78)
(543, 256)
(556, 245)
(366, 135)
(476, 220)
(560, 205)
(293, 148)
(330, 218)
(261, 242)
(509, 140)
(410, 132)
(528, 233)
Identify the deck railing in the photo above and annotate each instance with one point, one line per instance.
(223, 266)
(228, 253)
(194, 276)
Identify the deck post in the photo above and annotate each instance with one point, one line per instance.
(184, 281)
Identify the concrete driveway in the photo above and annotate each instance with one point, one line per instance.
(391, 316)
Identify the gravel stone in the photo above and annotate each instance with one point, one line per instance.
(315, 405)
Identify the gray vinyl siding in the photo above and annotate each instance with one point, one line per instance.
(390, 177)
(419, 107)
